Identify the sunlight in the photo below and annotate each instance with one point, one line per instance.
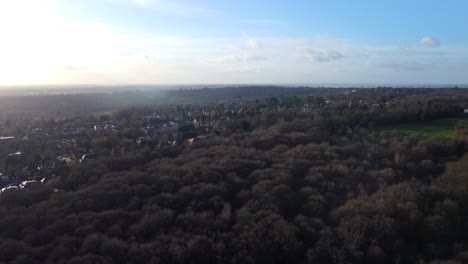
(24, 51)
(39, 45)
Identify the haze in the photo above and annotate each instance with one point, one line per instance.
(105, 42)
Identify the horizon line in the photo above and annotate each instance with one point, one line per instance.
(298, 84)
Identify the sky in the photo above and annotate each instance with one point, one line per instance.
(121, 42)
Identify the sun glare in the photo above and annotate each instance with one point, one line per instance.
(38, 45)
(23, 58)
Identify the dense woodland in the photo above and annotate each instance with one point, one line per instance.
(287, 176)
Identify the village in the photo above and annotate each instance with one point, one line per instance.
(44, 148)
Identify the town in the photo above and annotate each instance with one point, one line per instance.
(42, 148)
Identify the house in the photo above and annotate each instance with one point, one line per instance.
(190, 141)
(27, 185)
(147, 130)
(9, 188)
(167, 124)
(196, 124)
(16, 154)
(36, 130)
(87, 157)
(168, 127)
(199, 138)
(68, 160)
(90, 125)
(79, 152)
(98, 128)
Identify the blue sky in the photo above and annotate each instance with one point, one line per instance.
(207, 41)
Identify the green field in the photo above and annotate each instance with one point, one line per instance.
(441, 127)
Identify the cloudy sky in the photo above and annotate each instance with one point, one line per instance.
(233, 41)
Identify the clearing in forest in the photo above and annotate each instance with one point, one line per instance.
(440, 127)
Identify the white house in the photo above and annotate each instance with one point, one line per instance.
(25, 185)
(9, 188)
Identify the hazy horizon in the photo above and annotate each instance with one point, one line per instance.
(221, 85)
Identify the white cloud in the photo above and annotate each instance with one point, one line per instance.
(429, 42)
(253, 43)
(321, 55)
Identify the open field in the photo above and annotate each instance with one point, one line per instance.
(441, 127)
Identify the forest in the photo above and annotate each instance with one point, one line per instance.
(236, 175)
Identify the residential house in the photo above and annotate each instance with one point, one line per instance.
(196, 124)
(16, 154)
(27, 185)
(68, 160)
(8, 188)
(87, 157)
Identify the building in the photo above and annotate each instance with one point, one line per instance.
(26, 185)
(9, 188)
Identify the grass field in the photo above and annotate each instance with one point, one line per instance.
(441, 127)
